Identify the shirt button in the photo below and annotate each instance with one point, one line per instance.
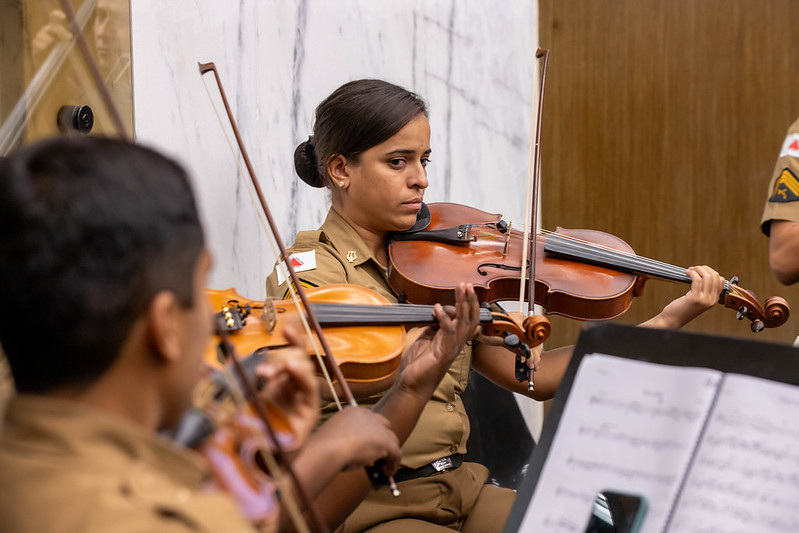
(450, 407)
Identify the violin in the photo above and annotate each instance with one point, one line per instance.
(581, 274)
(245, 438)
(225, 429)
(366, 333)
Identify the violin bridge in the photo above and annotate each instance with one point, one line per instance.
(507, 240)
(270, 315)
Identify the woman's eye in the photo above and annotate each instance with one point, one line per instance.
(396, 162)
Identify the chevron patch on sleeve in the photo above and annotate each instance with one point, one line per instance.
(786, 189)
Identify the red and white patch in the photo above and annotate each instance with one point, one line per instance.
(300, 262)
(790, 147)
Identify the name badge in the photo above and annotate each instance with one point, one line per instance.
(301, 262)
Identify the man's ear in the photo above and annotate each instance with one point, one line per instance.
(337, 168)
(164, 325)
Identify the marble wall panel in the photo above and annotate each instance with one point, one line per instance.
(472, 61)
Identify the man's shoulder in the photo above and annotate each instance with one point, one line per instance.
(80, 496)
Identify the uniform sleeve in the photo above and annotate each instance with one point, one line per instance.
(783, 192)
(148, 501)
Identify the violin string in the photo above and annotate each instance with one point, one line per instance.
(259, 214)
(625, 259)
(607, 253)
(622, 258)
(653, 262)
(364, 314)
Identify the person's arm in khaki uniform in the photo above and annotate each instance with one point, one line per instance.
(425, 363)
(780, 220)
(497, 364)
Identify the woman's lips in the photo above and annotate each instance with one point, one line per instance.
(413, 204)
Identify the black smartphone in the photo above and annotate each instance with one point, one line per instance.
(616, 512)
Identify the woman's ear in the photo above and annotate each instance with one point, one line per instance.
(164, 323)
(337, 169)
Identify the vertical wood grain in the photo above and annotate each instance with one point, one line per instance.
(662, 125)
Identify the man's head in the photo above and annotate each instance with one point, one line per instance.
(93, 233)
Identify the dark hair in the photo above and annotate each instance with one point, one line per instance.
(358, 115)
(90, 230)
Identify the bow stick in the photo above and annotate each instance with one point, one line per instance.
(117, 120)
(328, 362)
(533, 186)
(251, 393)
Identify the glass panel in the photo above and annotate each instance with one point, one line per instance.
(46, 84)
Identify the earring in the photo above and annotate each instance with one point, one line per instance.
(341, 184)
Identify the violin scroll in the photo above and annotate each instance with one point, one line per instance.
(537, 328)
(745, 302)
(531, 330)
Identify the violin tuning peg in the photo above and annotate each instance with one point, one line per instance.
(734, 280)
(511, 341)
(742, 311)
(758, 326)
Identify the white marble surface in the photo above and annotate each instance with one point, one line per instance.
(474, 64)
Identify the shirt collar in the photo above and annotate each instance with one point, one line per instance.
(339, 233)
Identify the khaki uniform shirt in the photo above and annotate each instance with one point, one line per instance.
(342, 257)
(783, 191)
(68, 468)
(6, 385)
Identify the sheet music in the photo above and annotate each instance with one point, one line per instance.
(629, 426)
(746, 474)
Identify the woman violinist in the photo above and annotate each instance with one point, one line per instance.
(370, 147)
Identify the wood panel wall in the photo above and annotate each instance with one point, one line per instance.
(662, 124)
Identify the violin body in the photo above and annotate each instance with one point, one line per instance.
(492, 263)
(364, 353)
(366, 333)
(228, 432)
(232, 452)
(581, 274)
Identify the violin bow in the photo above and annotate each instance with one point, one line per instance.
(329, 362)
(251, 393)
(249, 388)
(533, 187)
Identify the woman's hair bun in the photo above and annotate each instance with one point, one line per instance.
(305, 164)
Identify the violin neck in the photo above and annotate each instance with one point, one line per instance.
(348, 315)
(613, 259)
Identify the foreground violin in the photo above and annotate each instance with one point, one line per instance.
(366, 333)
(580, 274)
(229, 433)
